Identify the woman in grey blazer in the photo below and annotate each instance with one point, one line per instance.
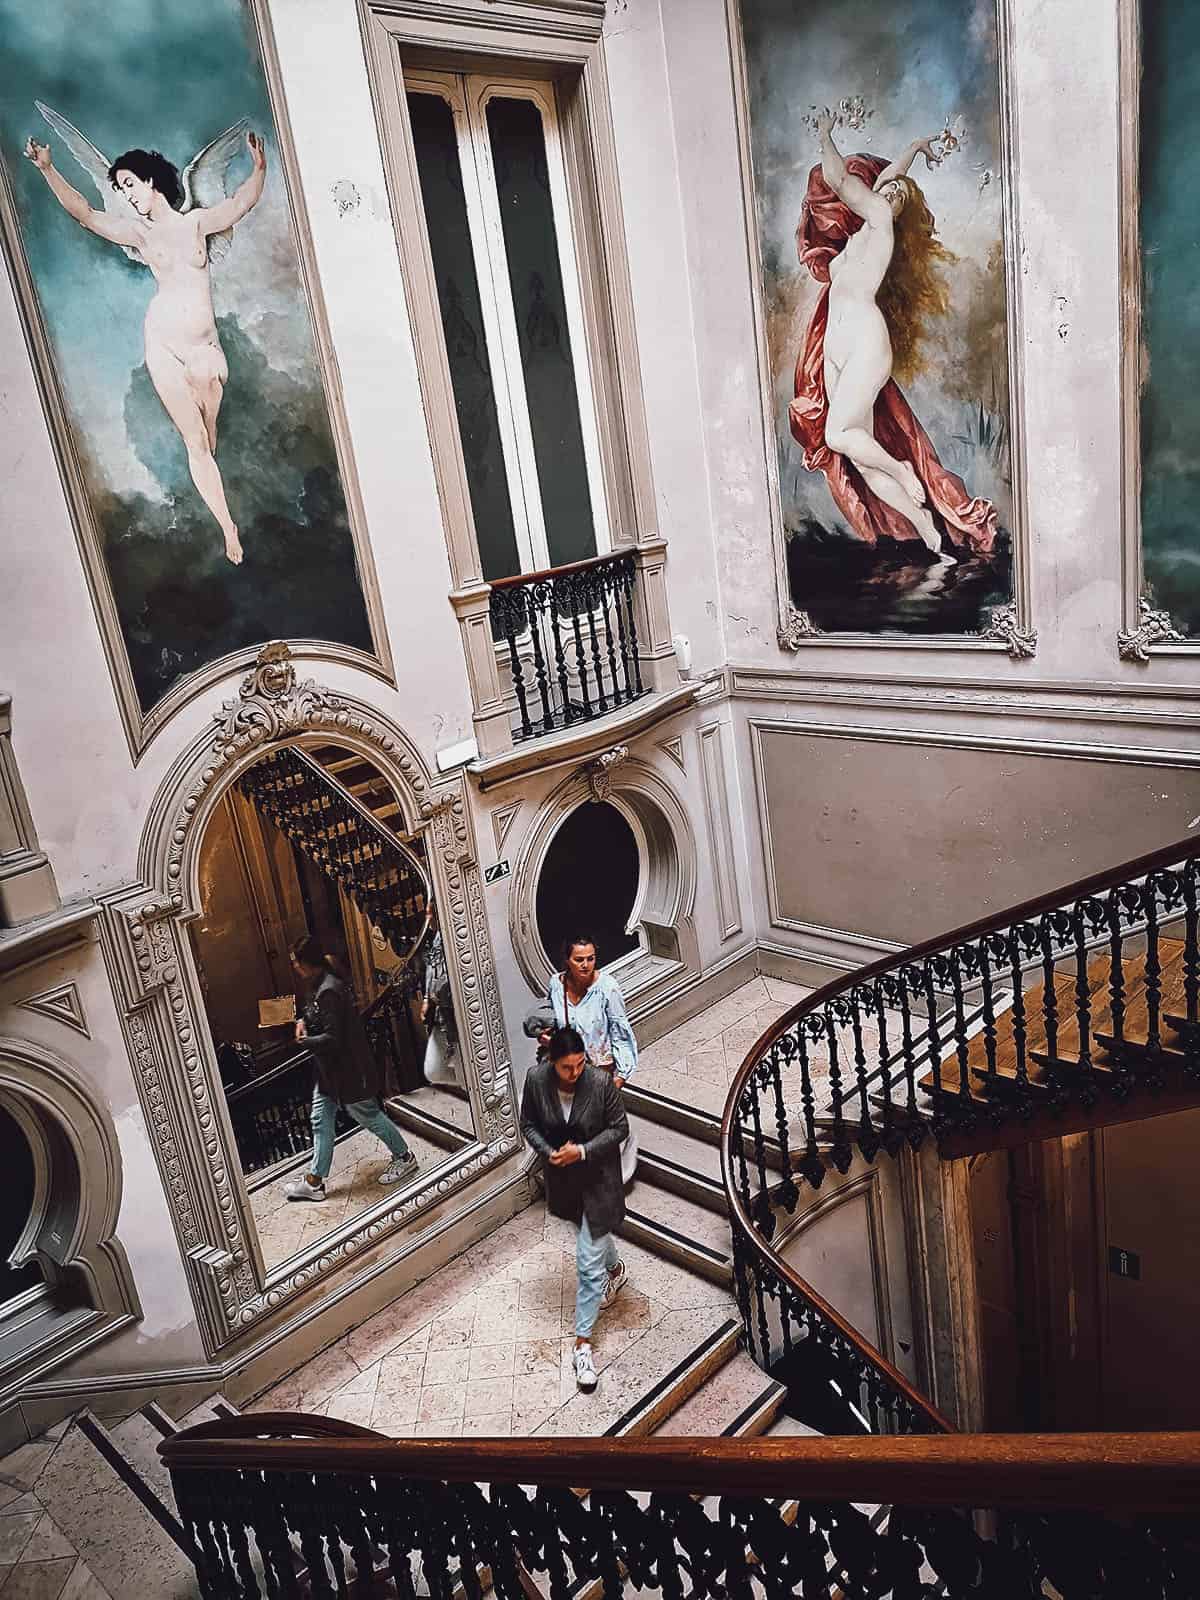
(572, 1115)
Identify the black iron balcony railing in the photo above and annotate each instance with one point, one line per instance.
(572, 641)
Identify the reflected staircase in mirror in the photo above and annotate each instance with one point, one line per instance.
(344, 839)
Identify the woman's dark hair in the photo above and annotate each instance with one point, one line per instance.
(576, 938)
(153, 168)
(308, 952)
(564, 1042)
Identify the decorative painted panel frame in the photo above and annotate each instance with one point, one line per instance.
(1010, 626)
(1145, 629)
(141, 726)
(145, 933)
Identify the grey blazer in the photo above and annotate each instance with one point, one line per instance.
(591, 1187)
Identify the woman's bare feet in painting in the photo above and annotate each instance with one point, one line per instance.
(233, 547)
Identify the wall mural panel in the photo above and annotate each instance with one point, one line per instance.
(150, 219)
(877, 148)
(1168, 195)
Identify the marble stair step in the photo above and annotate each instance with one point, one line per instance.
(118, 1539)
(739, 1401)
(702, 1126)
(678, 1230)
(644, 1385)
(686, 1166)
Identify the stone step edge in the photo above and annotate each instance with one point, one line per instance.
(668, 1245)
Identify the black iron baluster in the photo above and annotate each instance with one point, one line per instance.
(1153, 968)
(1116, 966)
(989, 1013)
(762, 1210)
(788, 1192)
(560, 659)
(573, 591)
(739, 1146)
(623, 645)
(1049, 991)
(906, 1049)
(1024, 1098)
(592, 591)
(891, 1136)
(627, 574)
(812, 1166)
(961, 1042)
(841, 1151)
(607, 590)
(1083, 1000)
(541, 671)
(868, 1140)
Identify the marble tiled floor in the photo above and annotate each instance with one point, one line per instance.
(484, 1346)
(37, 1559)
(285, 1226)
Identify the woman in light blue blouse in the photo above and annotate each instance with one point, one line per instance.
(591, 1002)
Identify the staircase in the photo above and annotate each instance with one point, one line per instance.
(344, 837)
(1125, 1031)
(104, 1492)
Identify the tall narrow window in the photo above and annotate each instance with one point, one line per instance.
(493, 185)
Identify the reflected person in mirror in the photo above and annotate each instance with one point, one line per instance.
(572, 1116)
(347, 1072)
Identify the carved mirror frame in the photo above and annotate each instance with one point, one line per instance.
(163, 1014)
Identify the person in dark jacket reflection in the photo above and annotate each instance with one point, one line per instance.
(347, 1072)
(572, 1115)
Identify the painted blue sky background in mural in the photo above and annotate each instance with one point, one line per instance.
(170, 75)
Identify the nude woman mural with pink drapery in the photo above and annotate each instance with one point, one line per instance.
(867, 236)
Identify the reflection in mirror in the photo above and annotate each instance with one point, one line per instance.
(327, 993)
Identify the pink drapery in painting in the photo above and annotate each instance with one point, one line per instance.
(826, 224)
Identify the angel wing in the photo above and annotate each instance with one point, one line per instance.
(206, 177)
(94, 164)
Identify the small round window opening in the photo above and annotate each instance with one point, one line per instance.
(589, 883)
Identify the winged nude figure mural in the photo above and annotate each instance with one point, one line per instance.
(176, 224)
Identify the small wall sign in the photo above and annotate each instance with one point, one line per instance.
(1124, 1263)
(497, 870)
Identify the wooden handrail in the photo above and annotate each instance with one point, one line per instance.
(519, 579)
(1026, 911)
(1117, 1472)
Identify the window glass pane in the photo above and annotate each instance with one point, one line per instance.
(526, 210)
(462, 322)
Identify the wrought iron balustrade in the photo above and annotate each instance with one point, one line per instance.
(281, 1505)
(1080, 1005)
(272, 1115)
(572, 641)
(343, 840)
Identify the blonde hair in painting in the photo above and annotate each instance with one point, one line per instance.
(914, 289)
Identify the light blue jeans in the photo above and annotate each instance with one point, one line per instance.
(594, 1260)
(367, 1113)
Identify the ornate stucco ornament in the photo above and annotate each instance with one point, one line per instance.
(600, 771)
(1003, 627)
(1154, 627)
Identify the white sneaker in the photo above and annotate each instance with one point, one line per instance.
(401, 1169)
(585, 1368)
(303, 1190)
(616, 1282)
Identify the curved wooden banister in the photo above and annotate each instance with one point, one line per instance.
(1117, 1472)
(747, 1237)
